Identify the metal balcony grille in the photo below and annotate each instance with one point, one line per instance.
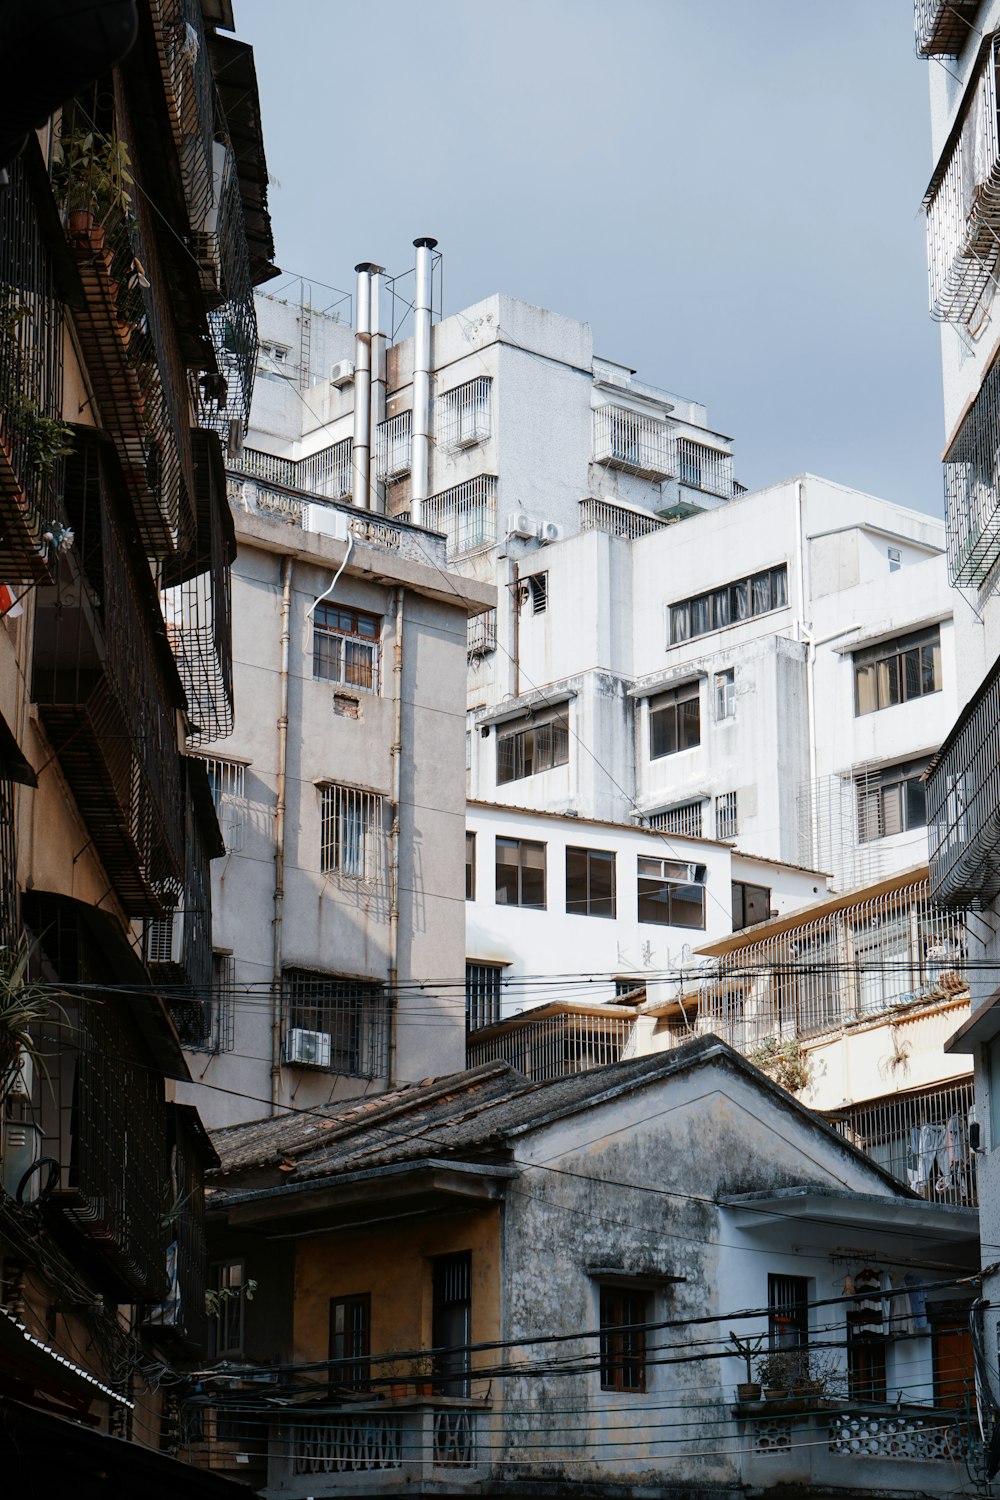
(863, 960)
(464, 414)
(922, 1139)
(483, 994)
(972, 489)
(618, 520)
(705, 468)
(328, 473)
(8, 868)
(393, 446)
(336, 1025)
(626, 439)
(31, 333)
(686, 820)
(943, 26)
(727, 816)
(554, 1046)
(187, 76)
(467, 515)
(353, 833)
(481, 637)
(963, 805)
(963, 205)
(227, 779)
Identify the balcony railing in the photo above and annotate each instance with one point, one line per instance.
(467, 515)
(625, 439)
(105, 692)
(424, 1441)
(706, 469)
(368, 528)
(481, 634)
(943, 27)
(554, 1046)
(328, 473)
(854, 963)
(921, 1138)
(187, 76)
(31, 332)
(618, 520)
(855, 1449)
(963, 804)
(963, 205)
(394, 446)
(972, 489)
(464, 415)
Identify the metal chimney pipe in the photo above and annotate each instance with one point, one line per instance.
(378, 345)
(420, 462)
(361, 452)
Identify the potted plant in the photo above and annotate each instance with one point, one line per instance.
(23, 1006)
(92, 176)
(422, 1370)
(777, 1371)
(747, 1349)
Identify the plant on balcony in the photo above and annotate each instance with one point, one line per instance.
(785, 1062)
(47, 438)
(779, 1370)
(748, 1349)
(92, 178)
(24, 1005)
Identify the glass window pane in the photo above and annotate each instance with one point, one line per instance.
(720, 607)
(654, 902)
(358, 660)
(779, 587)
(533, 877)
(916, 804)
(662, 731)
(602, 884)
(560, 742)
(687, 906)
(866, 699)
(505, 760)
(701, 615)
(892, 810)
(689, 725)
(911, 675)
(739, 606)
(761, 597)
(888, 676)
(576, 881)
(680, 623)
(931, 668)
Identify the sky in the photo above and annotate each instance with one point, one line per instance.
(728, 191)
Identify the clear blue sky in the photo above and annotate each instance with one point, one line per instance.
(727, 192)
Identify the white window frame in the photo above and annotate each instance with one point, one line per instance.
(352, 832)
(348, 649)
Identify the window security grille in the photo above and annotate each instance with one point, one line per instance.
(227, 779)
(483, 993)
(524, 750)
(727, 818)
(704, 468)
(352, 833)
(626, 439)
(336, 1025)
(464, 414)
(481, 634)
(467, 515)
(394, 446)
(345, 646)
(890, 801)
(538, 589)
(685, 820)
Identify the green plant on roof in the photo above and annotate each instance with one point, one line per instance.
(785, 1062)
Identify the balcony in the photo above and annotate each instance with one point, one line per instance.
(920, 1138)
(108, 691)
(467, 515)
(963, 805)
(858, 961)
(31, 332)
(178, 947)
(186, 68)
(394, 447)
(197, 601)
(708, 469)
(558, 1040)
(328, 473)
(943, 27)
(618, 520)
(464, 415)
(962, 205)
(378, 1446)
(972, 489)
(625, 439)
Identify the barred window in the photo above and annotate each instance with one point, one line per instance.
(483, 991)
(624, 1313)
(336, 1025)
(345, 646)
(464, 414)
(685, 820)
(228, 1284)
(351, 836)
(727, 816)
(227, 778)
(524, 750)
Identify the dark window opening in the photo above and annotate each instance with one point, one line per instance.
(590, 882)
(624, 1315)
(451, 1322)
(350, 1342)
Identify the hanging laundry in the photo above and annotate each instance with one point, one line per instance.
(918, 1302)
(900, 1312)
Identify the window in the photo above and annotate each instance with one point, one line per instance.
(350, 1342)
(464, 414)
(751, 904)
(674, 721)
(671, 892)
(227, 779)
(727, 816)
(483, 994)
(787, 1312)
(539, 746)
(725, 694)
(590, 882)
(470, 867)
(481, 634)
(538, 591)
(896, 671)
(345, 646)
(685, 820)
(226, 1280)
(624, 1315)
(733, 602)
(451, 1321)
(520, 873)
(351, 833)
(336, 1025)
(895, 559)
(890, 801)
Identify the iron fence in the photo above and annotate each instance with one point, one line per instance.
(943, 26)
(464, 415)
(685, 820)
(466, 515)
(554, 1046)
(8, 868)
(186, 68)
(618, 520)
(963, 804)
(481, 634)
(626, 439)
(921, 1138)
(337, 1025)
(394, 446)
(972, 489)
(705, 468)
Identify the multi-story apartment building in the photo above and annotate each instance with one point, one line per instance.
(133, 228)
(961, 44)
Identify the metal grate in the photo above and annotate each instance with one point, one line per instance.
(394, 446)
(481, 634)
(727, 817)
(618, 520)
(554, 1046)
(352, 833)
(685, 820)
(705, 468)
(8, 868)
(336, 1025)
(626, 439)
(464, 414)
(963, 804)
(467, 515)
(943, 26)
(483, 994)
(922, 1139)
(972, 488)
(227, 778)
(328, 473)
(187, 75)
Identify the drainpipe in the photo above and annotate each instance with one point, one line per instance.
(361, 451)
(515, 628)
(421, 420)
(279, 830)
(397, 761)
(378, 343)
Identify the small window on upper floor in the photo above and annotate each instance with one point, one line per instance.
(524, 749)
(624, 1314)
(590, 882)
(891, 800)
(346, 646)
(745, 598)
(671, 892)
(751, 904)
(464, 414)
(538, 587)
(520, 873)
(895, 559)
(675, 721)
(470, 866)
(725, 694)
(897, 671)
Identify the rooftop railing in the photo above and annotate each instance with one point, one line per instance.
(963, 805)
(943, 27)
(963, 206)
(328, 473)
(553, 1046)
(618, 520)
(625, 439)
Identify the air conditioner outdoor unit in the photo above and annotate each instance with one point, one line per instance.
(549, 532)
(523, 526)
(342, 373)
(308, 1049)
(326, 521)
(165, 939)
(21, 1149)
